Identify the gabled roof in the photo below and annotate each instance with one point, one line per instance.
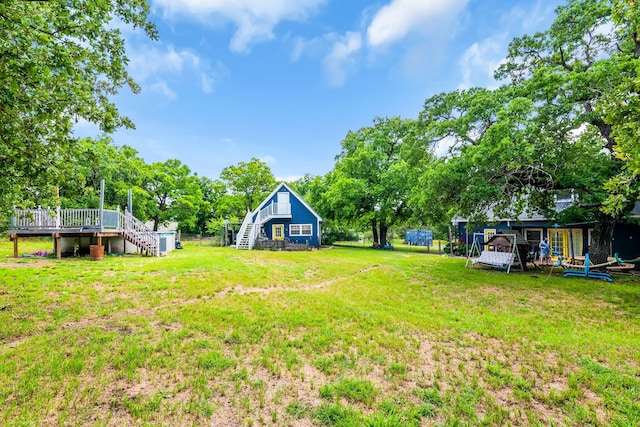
(297, 196)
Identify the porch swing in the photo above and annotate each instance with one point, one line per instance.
(502, 260)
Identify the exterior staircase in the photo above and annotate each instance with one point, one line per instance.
(248, 233)
(244, 239)
(136, 232)
(70, 221)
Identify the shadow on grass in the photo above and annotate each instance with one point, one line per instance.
(433, 250)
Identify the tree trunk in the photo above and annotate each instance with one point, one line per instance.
(601, 237)
(374, 228)
(156, 222)
(383, 235)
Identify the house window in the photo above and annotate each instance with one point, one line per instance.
(300, 230)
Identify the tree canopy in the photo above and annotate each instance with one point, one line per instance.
(373, 177)
(542, 133)
(62, 61)
(248, 183)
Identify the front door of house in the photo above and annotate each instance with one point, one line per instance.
(278, 231)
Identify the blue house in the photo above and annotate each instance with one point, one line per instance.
(284, 217)
(567, 240)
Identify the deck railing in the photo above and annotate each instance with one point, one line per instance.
(40, 218)
(56, 218)
(274, 209)
(88, 219)
(138, 233)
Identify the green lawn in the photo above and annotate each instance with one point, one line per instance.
(337, 337)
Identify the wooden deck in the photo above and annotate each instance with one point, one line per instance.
(58, 223)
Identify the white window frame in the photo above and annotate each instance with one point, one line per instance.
(296, 230)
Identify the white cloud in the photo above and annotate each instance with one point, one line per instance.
(82, 123)
(161, 87)
(315, 48)
(401, 17)
(254, 19)
(269, 160)
(206, 82)
(480, 60)
(336, 53)
(299, 47)
(338, 61)
(147, 61)
(528, 20)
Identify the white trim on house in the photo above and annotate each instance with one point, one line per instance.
(273, 193)
(300, 229)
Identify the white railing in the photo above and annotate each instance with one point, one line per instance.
(274, 209)
(77, 218)
(134, 230)
(253, 236)
(55, 218)
(243, 227)
(138, 233)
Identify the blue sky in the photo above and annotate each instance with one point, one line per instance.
(285, 80)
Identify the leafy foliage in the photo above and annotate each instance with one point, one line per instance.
(373, 176)
(175, 194)
(541, 134)
(62, 61)
(248, 183)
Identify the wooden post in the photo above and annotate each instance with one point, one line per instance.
(450, 243)
(15, 245)
(99, 240)
(101, 213)
(58, 246)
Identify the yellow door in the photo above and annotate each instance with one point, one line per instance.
(278, 232)
(488, 234)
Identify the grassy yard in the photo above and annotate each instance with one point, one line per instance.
(337, 337)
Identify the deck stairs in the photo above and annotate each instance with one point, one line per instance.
(248, 233)
(250, 230)
(137, 233)
(83, 220)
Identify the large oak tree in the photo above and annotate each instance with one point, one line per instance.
(542, 133)
(62, 61)
(373, 176)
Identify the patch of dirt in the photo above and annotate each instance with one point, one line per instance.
(237, 290)
(104, 322)
(26, 264)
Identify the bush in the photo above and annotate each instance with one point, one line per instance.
(459, 249)
(331, 235)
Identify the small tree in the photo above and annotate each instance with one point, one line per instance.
(248, 183)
